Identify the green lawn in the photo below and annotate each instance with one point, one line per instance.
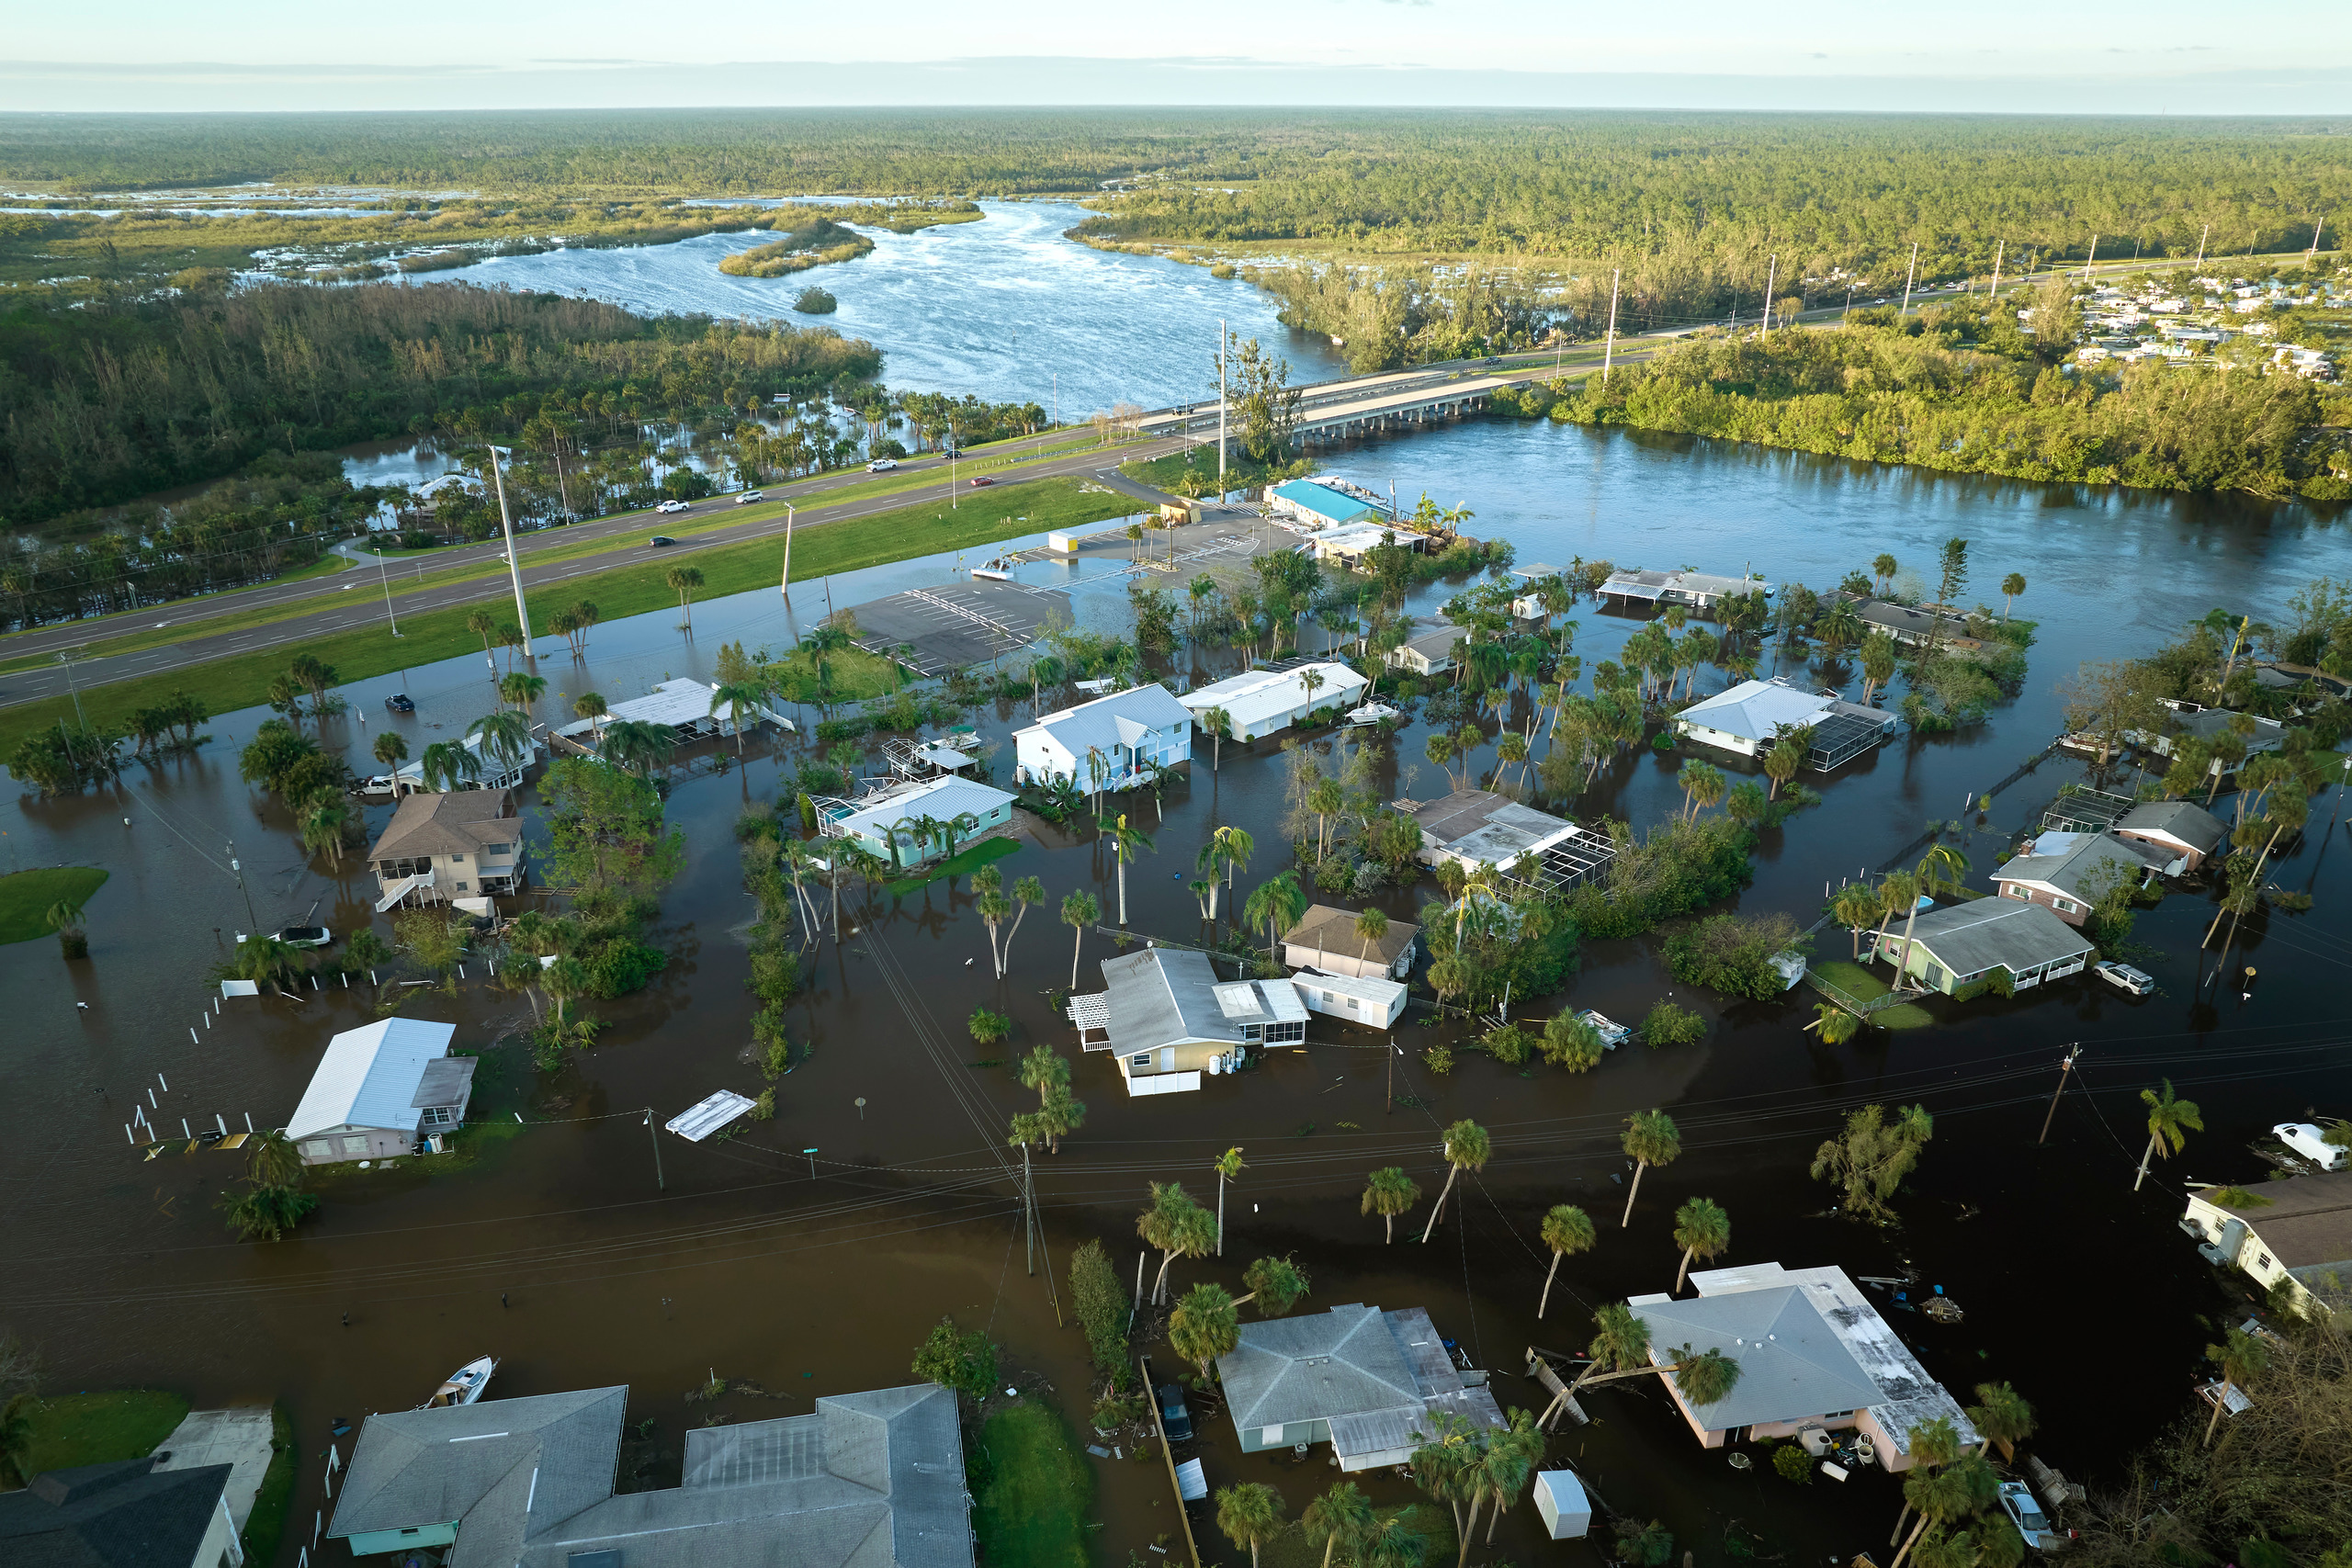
(93, 1429)
(243, 681)
(25, 896)
(956, 865)
(1864, 985)
(1292, 1550)
(266, 1523)
(1032, 1490)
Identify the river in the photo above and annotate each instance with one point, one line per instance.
(562, 1251)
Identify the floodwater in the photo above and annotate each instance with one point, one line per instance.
(809, 1254)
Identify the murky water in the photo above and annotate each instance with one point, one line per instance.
(570, 1253)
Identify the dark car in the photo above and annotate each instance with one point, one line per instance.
(661, 539)
(1174, 1415)
(984, 480)
(398, 702)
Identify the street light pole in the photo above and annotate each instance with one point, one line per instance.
(514, 566)
(1220, 411)
(385, 578)
(784, 585)
(659, 1184)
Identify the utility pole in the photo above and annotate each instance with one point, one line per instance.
(1392, 1075)
(1220, 411)
(1908, 274)
(2066, 1065)
(1609, 347)
(2200, 244)
(238, 870)
(2094, 256)
(514, 566)
(1029, 1209)
(785, 585)
(2317, 230)
(66, 658)
(659, 1184)
(385, 578)
(1772, 272)
(951, 465)
(1994, 297)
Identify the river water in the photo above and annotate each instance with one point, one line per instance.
(568, 1252)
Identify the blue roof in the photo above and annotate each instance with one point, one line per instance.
(1336, 506)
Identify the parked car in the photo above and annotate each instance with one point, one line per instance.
(2123, 977)
(306, 936)
(748, 497)
(661, 539)
(977, 484)
(2018, 1501)
(2310, 1142)
(671, 506)
(1175, 1416)
(881, 465)
(398, 702)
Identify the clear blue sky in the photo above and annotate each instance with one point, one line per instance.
(2287, 56)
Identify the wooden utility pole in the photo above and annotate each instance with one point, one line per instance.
(2065, 1067)
(1908, 274)
(1609, 347)
(1994, 296)
(1220, 411)
(2200, 244)
(1029, 1211)
(2093, 256)
(1772, 273)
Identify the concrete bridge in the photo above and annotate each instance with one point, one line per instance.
(1363, 405)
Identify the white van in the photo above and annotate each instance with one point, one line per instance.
(2311, 1143)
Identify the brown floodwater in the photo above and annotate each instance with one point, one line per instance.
(583, 1247)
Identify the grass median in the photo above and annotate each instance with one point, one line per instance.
(901, 534)
(26, 897)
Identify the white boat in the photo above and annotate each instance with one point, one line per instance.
(464, 1384)
(1373, 713)
(998, 571)
(1613, 1033)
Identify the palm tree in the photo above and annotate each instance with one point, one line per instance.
(1393, 1544)
(2011, 586)
(1512, 1455)
(322, 826)
(1567, 1229)
(2170, 1122)
(1125, 841)
(1704, 1230)
(1219, 724)
(447, 765)
(391, 749)
(1389, 1193)
(639, 746)
(1045, 1070)
(1343, 1515)
(1372, 926)
(1932, 1443)
(272, 1160)
(1062, 1115)
(484, 625)
(590, 706)
(17, 1441)
(1228, 1166)
(2242, 1358)
(64, 917)
(1204, 1325)
(1833, 1024)
(1854, 908)
(992, 907)
(1277, 1284)
(682, 581)
(2001, 1416)
(1278, 905)
(735, 697)
(1027, 893)
(1781, 763)
(505, 737)
(1080, 910)
(1467, 1147)
(1177, 1227)
(1946, 1496)
(1651, 1138)
(1249, 1514)
(520, 689)
(1883, 569)
(1940, 867)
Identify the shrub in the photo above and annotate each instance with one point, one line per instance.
(1733, 953)
(1570, 1042)
(1793, 1463)
(1102, 1308)
(1508, 1045)
(1439, 1059)
(1681, 867)
(1669, 1024)
(990, 1028)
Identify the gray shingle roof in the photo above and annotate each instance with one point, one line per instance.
(1163, 994)
(1984, 933)
(1791, 1365)
(1483, 825)
(2086, 868)
(2182, 820)
(1334, 930)
(123, 1515)
(1376, 1376)
(456, 823)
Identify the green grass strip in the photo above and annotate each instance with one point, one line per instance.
(1032, 1490)
(956, 865)
(98, 1429)
(26, 897)
(266, 1524)
(930, 528)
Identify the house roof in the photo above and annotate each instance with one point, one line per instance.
(1096, 724)
(945, 797)
(2307, 1224)
(2182, 821)
(1791, 1365)
(1986, 933)
(1758, 710)
(1164, 995)
(1480, 825)
(1905, 1394)
(2081, 865)
(1351, 1362)
(456, 823)
(507, 1468)
(1434, 640)
(369, 1076)
(1260, 694)
(1334, 930)
(2207, 723)
(123, 1515)
(680, 704)
(1913, 622)
(1632, 584)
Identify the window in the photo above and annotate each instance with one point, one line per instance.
(461, 888)
(2067, 905)
(439, 1116)
(1272, 1437)
(2014, 890)
(317, 1146)
(1140, 1059)
(354, 1145)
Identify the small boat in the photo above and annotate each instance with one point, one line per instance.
(1373, 713)
(464, 1384)
(997, 570)
(1613, 1033)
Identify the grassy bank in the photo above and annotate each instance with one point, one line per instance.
(926, 528)
(96, 1428)
(266, 1524)
(958, 864)
(1032, 1490)
(26, 896)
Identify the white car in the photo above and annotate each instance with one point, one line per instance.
(748, 497)
(2123, 977)
(881, 465)
(2018, 1501)
(671, 506)
(2310, 1142)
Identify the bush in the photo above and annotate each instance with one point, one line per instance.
(1570, 1042)
(990, 1028)
(1670, 1025)
(1439, 1059)
(1681, 867)
(1733, 953)
(1793, 1463)
(1508, 1045)
(1102, 1308)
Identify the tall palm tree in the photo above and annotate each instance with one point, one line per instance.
(505, 737)
(639, 746)
(1125, 842)
(448, 765)
(1204, 1325)
(1277, 905)
(2011, 586)
(736, 696)
(2242, 1358)
(2170, 1121)
(1467, 1147)
(1228, 1166)
(1372, 925)
(1389, 1193)
(992, 907)
(590, 706)
(2001, 1415)
(1883, 569)
(1080, 910)
(1027, 894)
(1704, 1230)
(1512, 1455)
(1219, 724)
(322, 823)
(484, 625)
(391, 749)
(521, 689)
(1045, 1070)
(1946, 1496)
(1932, 1443)
(1567, 1229)
(1249, 1513)
(1177, 1227)
(682, 581)
(1940, 866)
(1343, 1515)
(272, 1160)
(1651, 1138)
(1854, 908)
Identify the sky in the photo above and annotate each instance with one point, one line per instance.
(2151, 56)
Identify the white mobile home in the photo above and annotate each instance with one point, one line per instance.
(891, 823)
(1168, 1018)
(378, 1090)
(1109, 743)
(1266, 702)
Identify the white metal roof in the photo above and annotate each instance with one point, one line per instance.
(1260, 694)
(945, 798)
(1097, 722)
(1372, 988)
(705, 1117)
(1755, 710)
(679, 702)
(368, 1077)
(1252, 1001)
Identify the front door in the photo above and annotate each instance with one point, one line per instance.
(1168, 1058)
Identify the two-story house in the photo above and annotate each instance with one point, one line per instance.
(1111, 743)
(467, 843)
